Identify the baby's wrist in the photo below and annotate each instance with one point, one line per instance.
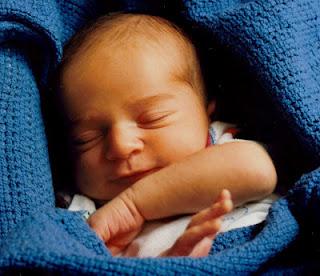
(128, 199)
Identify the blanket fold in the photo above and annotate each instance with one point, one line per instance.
(278, 41)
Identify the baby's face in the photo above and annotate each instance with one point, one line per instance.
(129, 117)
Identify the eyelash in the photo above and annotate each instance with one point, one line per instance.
(79, 142)
(152, 118)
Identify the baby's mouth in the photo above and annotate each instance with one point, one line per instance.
(134, 177)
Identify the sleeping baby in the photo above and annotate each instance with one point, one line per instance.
(142, 145)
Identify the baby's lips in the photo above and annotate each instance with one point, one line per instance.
(133, 177)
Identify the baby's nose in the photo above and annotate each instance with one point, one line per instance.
(122, 142)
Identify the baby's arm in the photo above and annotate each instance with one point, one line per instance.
(243, 167)
(188, 186)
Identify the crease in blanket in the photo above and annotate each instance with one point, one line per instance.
(277, 41)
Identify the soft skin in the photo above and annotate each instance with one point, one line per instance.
(135, 116)
(139, 133)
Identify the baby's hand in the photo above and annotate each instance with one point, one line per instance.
(197, 239)
(117, 223)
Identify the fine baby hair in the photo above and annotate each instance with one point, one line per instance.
(133, 32)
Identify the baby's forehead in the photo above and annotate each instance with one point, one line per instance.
(130, 34)
(164, 49)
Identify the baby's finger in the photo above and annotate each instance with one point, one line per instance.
(221, 206)
(225, 194)
(191, 237)
(202, 248)
(218, 209)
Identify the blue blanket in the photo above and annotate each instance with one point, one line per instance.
(277, 42)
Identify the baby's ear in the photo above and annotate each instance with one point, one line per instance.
(211, 107)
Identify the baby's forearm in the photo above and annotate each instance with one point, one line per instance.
(194, 183)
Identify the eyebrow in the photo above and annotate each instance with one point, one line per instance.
(87, 118)
(149, 100)
(138, 104)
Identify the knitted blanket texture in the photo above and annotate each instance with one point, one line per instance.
(278, 44)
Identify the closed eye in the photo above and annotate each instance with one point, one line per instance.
(85, 139)
(150, 120)
(81, 142)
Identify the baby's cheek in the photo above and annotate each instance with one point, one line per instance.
(176, 147)
(87, 171)
(83, 176)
